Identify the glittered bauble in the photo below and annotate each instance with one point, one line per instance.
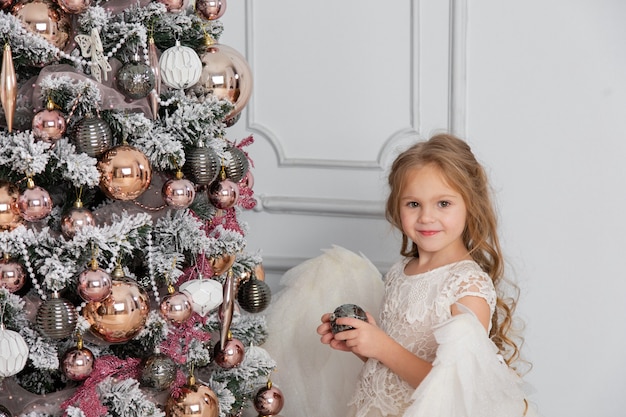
(125, 173)
(34, 204)
(254, 295)
(46, 19)
(177, 307)
(12, 276)
(94, 285)
(236, 166)
(346, 310)
(180, 67)
(231, 355)
(56, 317)
(75, 219)
(205, 294)
(225, 75)
(49, 125)
(9, 210)
(223, 194)
(195, 400)
(202, 165)
(74, 6)
(120, 316)
(269, 400)
(222, 263)
(92, 135)
(158, 372)
(13, 352)
(179, 193)
(135, 80)
(211, 9)
(77, 363)
(4, 412)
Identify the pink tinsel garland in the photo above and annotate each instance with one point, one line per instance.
(86, 397)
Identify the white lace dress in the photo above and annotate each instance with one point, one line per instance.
(413, 305)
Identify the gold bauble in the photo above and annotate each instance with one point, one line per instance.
(120, 316)
(195, 400)
(9, 210)
(125, 173)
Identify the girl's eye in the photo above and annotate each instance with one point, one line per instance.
(412, 204)
(444, 203)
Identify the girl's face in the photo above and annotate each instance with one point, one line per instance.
(433, 215)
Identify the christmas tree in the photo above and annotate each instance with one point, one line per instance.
(125, 287)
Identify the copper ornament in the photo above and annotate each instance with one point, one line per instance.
(49, 125)
(119, 317)
(9, 210)
(8, 86)
(222, 263)
(269, 400)
(231, 355)
(46, 19)
(178, 192)
(211, 9)
(34, 203)
(77, 363)
(195, 400)
(176, 307)
(75, 219)
(12, 275)
(225, 75)
(125, 172)
(74, 6)
(223, 194)
(94, 284)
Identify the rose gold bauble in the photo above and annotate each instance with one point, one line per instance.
(176, 307)
(125, 173)
(231, 355)
(49, 125)
(174, 6)
(221, 263)
(94, 285)
(119, 317)
(269, 400)
(12, 276)
(75, 219)
(226, 75)
(9, 210)
(74, 6)
(46, 19)
(195, 400)
(211, 9)
(77, 363)
(178, 193)
(223, 194)
(34, 204)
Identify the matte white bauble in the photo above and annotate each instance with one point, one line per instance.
(13, 352)
(180, 67)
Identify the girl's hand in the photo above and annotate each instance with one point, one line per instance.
(328, 338)
(365, 340)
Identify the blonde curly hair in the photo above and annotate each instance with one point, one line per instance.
(466, 175)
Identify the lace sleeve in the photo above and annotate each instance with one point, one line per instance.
(470, 280)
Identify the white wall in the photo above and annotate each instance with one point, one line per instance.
(538, 88)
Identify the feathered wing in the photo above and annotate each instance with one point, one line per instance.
(315, 379)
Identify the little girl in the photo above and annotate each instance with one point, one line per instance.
(441, 347)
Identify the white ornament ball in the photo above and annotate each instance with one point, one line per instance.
(205, 294)
(13, 352)
(180, 67)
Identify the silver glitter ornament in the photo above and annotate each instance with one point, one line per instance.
(158, 372)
